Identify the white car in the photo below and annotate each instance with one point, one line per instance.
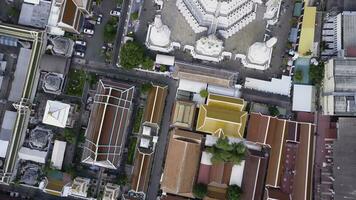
(81, 43)
(89, 31)
(98, 20)
(79, 54)
(115, 13)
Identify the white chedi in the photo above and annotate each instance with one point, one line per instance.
(260, 52)
(160, 33)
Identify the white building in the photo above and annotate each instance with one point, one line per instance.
(67, 15)
(158, 36)
(59, 149)
(339, 35)
(259, 55)
(225, 17)
(339, 88)
(165, 60)
(7, 128)
(56, 114)
(80, 187)
(111, 191)
(275, 86)
(32, 155)
(208, 48)
(303, 98)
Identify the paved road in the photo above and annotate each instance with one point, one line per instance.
(31, 193)
(157, 166)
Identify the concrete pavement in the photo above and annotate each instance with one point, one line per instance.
(95, 43)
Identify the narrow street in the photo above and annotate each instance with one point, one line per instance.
(120, 35)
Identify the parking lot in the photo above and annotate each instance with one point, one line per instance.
(94, 45)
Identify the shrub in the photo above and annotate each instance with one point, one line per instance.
(234, 192)
(298, 75)
(204, 93)
(273, 111)
(147, 63)
(223, 151)
(131, 55)
(316, 74)
(200, 190)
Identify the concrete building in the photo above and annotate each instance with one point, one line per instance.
(184, 114)
(281, 86)
(339, 88)
(56, 114)
(35, 14)
(107, 128)
(67, 15)
(52, 83)
(338, 35)
(58, 152)
(303, 98)
(343, 162)
(36, 145)
(111, 192)
(79, 187)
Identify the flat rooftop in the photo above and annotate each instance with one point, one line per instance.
(344, 162)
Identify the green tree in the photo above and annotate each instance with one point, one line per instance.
(119, 2)
(240, 148)
(223, 143)
(70, 169)
(131, 55)
(146, 87)
(69, 136)
(147, 63)
(110, 29)
(134, 16)
(234, 192)
(204, 93)
(200, 190)
(13, 12)
(223, 151)
(298, 75)
(308, 53)
(273, 111)
(316, 74)
(122, 179)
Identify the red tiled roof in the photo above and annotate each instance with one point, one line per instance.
(291, 153)
(108, 120)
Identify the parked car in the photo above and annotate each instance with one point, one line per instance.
(81, 43)
(79, 54)
(98, 20)
(115, 13)
(80, 48)
(89, 31)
